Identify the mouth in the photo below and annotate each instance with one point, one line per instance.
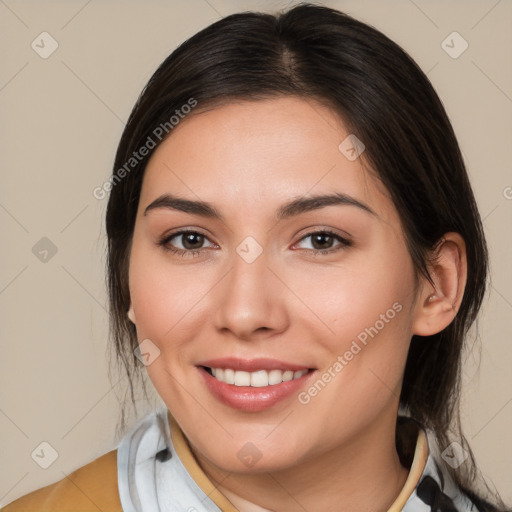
(257, 379)
(255, 385)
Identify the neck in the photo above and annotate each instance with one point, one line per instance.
(363, 474)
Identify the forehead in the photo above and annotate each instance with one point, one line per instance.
(259, 152)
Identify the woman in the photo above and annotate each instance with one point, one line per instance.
(295, 256)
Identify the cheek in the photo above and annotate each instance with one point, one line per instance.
(362, 294)
(365, 331)
(165, 297)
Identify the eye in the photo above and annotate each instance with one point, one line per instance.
(325, 241)
(188, 243)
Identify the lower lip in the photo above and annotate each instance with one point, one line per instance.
(252, 399)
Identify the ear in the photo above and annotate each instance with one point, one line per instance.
(437, 306)
(131, 314)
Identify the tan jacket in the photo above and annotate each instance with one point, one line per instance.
(92, 487)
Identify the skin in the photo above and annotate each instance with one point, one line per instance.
(336, 452)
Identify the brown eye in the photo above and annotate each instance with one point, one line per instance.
(185, 243)
(192, 240)
(324, 242)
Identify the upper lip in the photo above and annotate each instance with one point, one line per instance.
(251, 365)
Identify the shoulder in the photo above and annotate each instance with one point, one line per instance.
(90, 488)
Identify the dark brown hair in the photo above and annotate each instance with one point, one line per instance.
(385, 99)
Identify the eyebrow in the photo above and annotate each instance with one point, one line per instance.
(290, 209)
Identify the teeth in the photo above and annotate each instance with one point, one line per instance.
(274, 377)
(258, 379)
(229, 376)
(287, 375)
(241, 378)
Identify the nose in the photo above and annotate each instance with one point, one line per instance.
(250, 301)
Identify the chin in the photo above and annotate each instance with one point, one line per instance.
(244, 456)
(252, 462)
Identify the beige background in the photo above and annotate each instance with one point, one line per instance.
(61, 121)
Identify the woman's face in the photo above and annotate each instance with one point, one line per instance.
(259, 290)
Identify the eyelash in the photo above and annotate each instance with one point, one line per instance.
(164, 242)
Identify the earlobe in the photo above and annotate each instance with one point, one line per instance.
(437, 305)
(131, 314)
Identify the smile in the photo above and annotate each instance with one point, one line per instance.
(253, 385)
(257, 379)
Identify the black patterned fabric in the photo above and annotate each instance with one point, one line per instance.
(436, 491)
